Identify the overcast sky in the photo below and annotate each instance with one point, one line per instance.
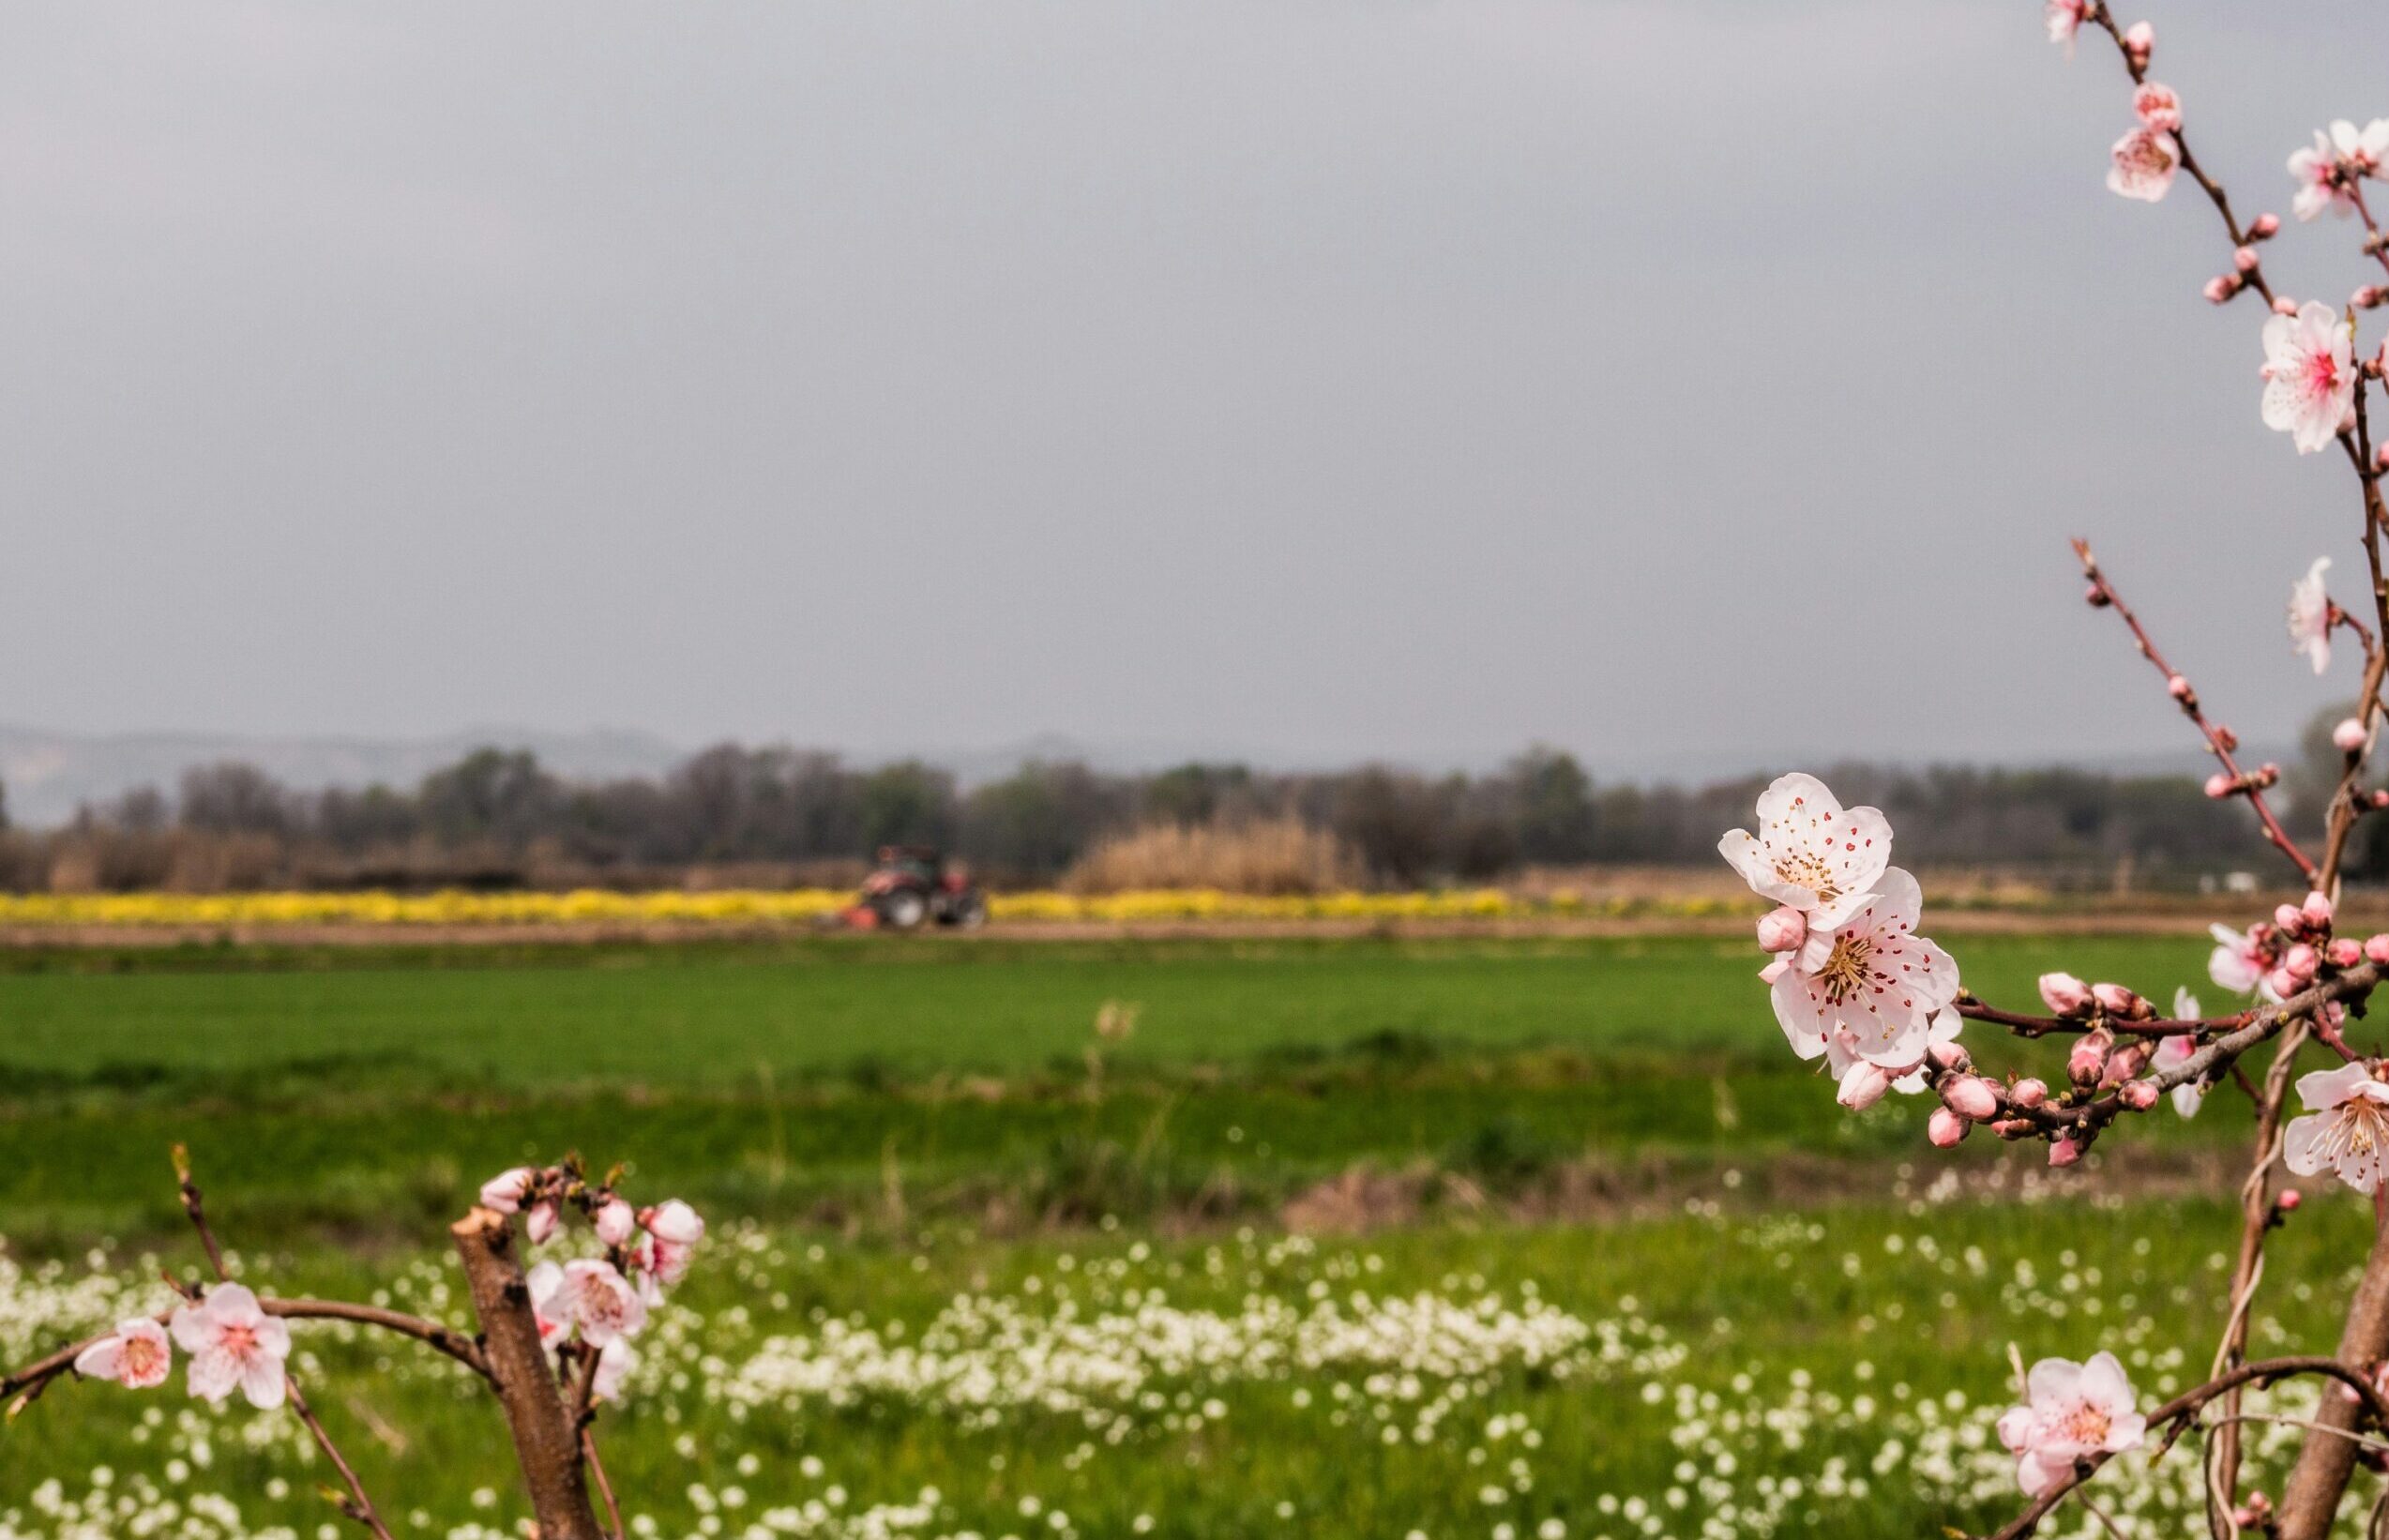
(1681, 382)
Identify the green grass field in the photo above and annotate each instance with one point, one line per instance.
(1763, 1304)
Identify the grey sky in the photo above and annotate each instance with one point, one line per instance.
(1677, 381)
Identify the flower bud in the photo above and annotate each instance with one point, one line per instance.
(2244, 259)
(2343, 953)
(2115, 999)
(2264, 227)
(2376, 948)
(1863, 1085)
(2317, 910)
(2368, 298)
(2348, 736)
(2301, 962)
(2065, 1152)
(1782, 929)
(616, 1222)
(2139, 41)
(2381, 457)
(2219, 786)
(2222, 288)
(1970, 1098)
(2225, 736)
(2284, 305)
(1945, 1128)
(1948, 1055)
(539, 1222)
(2094, 594)
(2088, 1060)
(2282, 982)
(2064, 994)
(2125, 1064)
(2289, 1200)
(2028, 1093)
(2267, 774)
(2289, 917)
(2177, 686)
(2139, 1095)
(2009, 1127)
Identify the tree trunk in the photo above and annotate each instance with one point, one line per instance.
(546, 1443)
(2327, 1460)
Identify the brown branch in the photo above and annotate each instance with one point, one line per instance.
(2183, 1411)
(2310, 1499)
(546, 1446)
(2216, 741)
(605, 1487)
(356, 1505)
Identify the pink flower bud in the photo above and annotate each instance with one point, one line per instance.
(1948, 1055)
(2064, 994)
(1782, 929)
(1863, 1086)
(2123, 1065)
(2284, 305)
(2219, 786)
(2318, 909)
(2344, 952)
(2376, 948)
(2222, 288)
(2225, 736)
(2348, 736)
(1945, 1128)
(616, 1222)
(539, 1222)
(2282, 982)
(2139, 40)
(2368, 298)
(2028, 1093)
(2301, 962)
(2115, 999)
(2268, 773)
(2244, 259)
(2290, 918)
(2264, 227)
(2065, 1152)
(1970, 1098)
(2381, 457)
(2289, 1200)
(2139, 1095)
(2088, 1060)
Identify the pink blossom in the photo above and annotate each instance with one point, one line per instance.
(615, 1362)
(2300, 965)
(1946, 1129)
(2141, 164)
(505, 1191)
(2065, 1151)
(2173, 1052)
(1873, 975)
(137, 1356)
(539, 1222)
(590, 1296)
(1940, 1048)
(2376, 947)
(2072, 1410)
(545, 1283)
(674, 1221)
(2219, 786)
(1810, 852)
(2343, 953)
(2327, 170)
(230, 1341)
(2240, 959)
(2139, 41)
(2346, 1128)
(616, 1222)
(2065, 18)
(2317, 910)
(2349, 735)
(2086, 1061)
(2310, 378)
(2157, 107)
(2064, 994)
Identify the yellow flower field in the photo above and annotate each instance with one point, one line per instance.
(758, 906)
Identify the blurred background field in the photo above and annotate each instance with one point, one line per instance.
(1479, 1231)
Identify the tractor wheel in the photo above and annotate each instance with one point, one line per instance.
(970, 911)
(903, 909)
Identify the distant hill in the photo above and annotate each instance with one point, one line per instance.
(48, 774)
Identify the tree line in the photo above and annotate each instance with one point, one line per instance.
(498, 817)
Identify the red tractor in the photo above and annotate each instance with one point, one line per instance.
(914, 885)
